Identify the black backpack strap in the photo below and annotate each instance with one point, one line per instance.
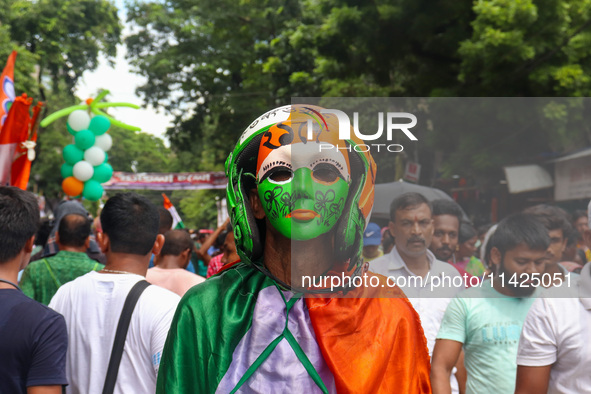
(122, 327)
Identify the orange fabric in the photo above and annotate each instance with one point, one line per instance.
(15, 131)
(6, 78)
(21, 167)
(372, 345)
(167, 203)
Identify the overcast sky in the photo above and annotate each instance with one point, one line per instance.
(121, 83)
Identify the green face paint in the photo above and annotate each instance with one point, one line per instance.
(305, 204)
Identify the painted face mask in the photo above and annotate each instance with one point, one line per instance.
(302, 184)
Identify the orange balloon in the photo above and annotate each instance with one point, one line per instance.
(72, 186)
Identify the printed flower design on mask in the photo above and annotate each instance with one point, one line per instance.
(272, 200)
(322, 200)
(334, 210)
(288, 203)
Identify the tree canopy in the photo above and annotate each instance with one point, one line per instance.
(234, 60)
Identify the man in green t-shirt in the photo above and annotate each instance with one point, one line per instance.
(486, 320)
(42, 278)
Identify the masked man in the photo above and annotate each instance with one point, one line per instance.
(299, 198)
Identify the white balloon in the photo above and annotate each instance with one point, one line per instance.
(83, 171)
(79, 120)
(94, 155)
(104, 141)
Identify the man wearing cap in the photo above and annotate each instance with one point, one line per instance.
(260, 325)
(372, 238)
(554, 351)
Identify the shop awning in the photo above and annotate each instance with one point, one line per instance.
(527, 178)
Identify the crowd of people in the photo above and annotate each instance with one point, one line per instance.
(124, 303)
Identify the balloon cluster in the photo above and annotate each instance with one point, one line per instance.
(86, 164)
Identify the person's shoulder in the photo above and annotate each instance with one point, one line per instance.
(441, 266)
(380, 265)
(161, 296)
(36, 311)
(34, 266)
(80, 283)
(240, 277)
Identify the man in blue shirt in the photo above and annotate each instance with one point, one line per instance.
(33, 338)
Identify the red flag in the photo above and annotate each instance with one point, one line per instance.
(7, 94)
(25, 152)
(14, 132)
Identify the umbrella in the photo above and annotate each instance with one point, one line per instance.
(385, 193)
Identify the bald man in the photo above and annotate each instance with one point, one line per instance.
(170, 265)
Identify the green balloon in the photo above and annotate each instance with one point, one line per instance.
(92, 191)
(106, 157)
(99, 125)
(84, 139)
(102, 173)
(72, 154)
(67, 170)
(70, 130)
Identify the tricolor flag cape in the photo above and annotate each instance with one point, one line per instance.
(239, 332)
(177, 222)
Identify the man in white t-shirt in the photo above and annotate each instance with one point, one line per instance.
(170, 265)
(92, 304)
(554, 349)
(418, 273)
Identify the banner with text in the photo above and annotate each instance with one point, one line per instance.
(167, 181)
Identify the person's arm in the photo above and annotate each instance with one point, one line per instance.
(202, 252)
(538, 347)
(47, 372)
(532, 380)
(445, 356)
(461, 373)
(44, 390)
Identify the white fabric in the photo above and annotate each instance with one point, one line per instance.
(429, 303)
(92, 305)
(557, 331)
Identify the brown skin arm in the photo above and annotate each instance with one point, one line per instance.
(461, 373)
(202, 252)
(445, 356)
(44, 390)
(532, 380)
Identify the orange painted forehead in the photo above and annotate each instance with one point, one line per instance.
(309, 128)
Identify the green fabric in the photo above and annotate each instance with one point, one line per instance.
(208, 324)
(475, 267)
(489, 325)
(41, 282)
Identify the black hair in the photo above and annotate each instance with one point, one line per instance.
(176, 242)
(406, 201)
(165, 222)
(447, 207)
(553, 218)
(517, 229)
(44, 230)
(74, 230)
(19, 220)
(387, 239)
(466, 232)
(483, 229)
(579, 213)
(131, 222)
